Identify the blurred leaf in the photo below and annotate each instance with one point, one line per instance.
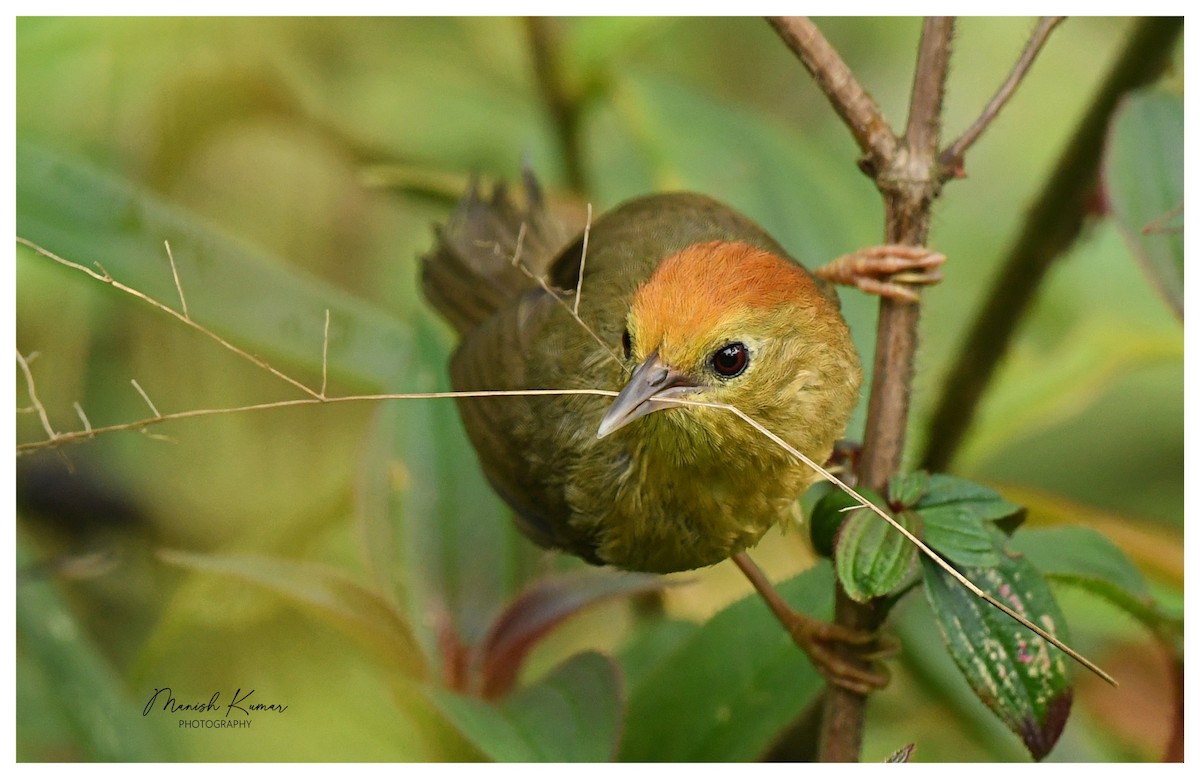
(653, 644)
(464, 557)
(1143, 174)
(362, 613)
(107, 726)
(726, 690)
(573, 715)
(1155, 549)
(87, 216)
(1084, 558)
(872, 557)
(1016, 673)
(539, 609)
(1050, 385)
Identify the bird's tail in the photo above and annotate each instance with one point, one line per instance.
(489, 252)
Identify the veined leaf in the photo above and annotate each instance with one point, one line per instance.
(1016, 673)
(573, 715)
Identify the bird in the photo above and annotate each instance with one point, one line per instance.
(680, 305)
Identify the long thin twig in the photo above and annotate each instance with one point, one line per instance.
(58, 439)
(33, 397)
(587, 229)
(952, 158)
(178, 284)
(325, 356)
(107, 278)
(928, 552)
(853, 103)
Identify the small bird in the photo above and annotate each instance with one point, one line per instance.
(678, 298)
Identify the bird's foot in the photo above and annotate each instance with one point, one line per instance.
(857, 671)
(886, 270)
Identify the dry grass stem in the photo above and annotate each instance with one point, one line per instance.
(932, 555)
(178, 284)
(587, 229)
(33, 398)
(541, 281)
(145, 397)
(107, 278)
(55, 439)
(58, 439)
(87, 426)
(325, 356)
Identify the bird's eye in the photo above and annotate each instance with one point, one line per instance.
(730, 359)
(626, 343)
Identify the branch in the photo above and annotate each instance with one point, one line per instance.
(1054, 223)
(851, 102)
(952, 158)
(909, 184)
(105, 277)
(562, 103)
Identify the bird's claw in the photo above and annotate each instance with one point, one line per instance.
(887, 271)
(858, 671)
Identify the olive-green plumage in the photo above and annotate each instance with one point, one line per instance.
(668, 487)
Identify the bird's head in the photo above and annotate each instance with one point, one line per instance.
(731, 323)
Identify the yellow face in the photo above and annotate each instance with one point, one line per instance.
(723, 323)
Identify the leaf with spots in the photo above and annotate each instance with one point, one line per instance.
(1018, 675)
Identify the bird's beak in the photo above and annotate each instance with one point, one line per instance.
(651, 381)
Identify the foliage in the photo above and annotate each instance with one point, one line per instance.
(295, 166)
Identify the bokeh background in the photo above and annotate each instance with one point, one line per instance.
(297, 165)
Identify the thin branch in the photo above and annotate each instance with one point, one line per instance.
(928, 552)
(87, 426)
(541, 280)
(952, 158)
(107, 278)
(929, 88)
(178, 285)
(1054, 222)
(562, 101)
(33, 398)
(325, 356)
(587, 229)
(145, 397)
(58, 439)
(909, 186)
(851, 102)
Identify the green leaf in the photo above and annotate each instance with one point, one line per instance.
(727, 689)
(1143, 174)
(88, 216)
(573, 715)
(542, 607)
(984, 502)
(362, 613)
(105, 723)
(958, 533)
(873, 558)
(1016, 673)
(905, 489)
(955, 511)
(1084, 558)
